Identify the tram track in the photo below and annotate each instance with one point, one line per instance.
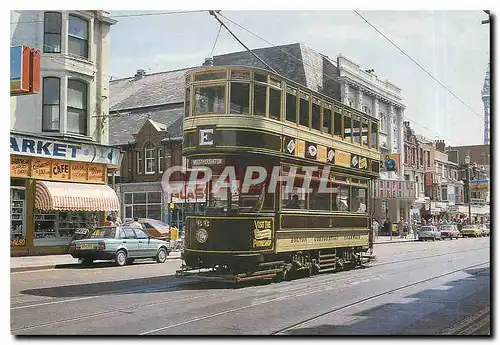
(307, 287)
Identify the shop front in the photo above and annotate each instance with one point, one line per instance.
(57, 187)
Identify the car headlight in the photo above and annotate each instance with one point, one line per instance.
(201, 235)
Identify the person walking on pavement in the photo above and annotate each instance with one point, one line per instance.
(375, 226)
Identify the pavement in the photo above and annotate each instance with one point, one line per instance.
(43, 262)
(413, 288)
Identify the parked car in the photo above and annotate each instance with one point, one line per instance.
(449, 231)
(484, 230)
(428, 232)
(471, 231)
(122, 244)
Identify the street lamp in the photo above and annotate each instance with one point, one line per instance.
(467, 162)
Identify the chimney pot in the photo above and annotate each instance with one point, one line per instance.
(208, 62)
(139, 74)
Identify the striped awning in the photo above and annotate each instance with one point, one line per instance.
(64, 196)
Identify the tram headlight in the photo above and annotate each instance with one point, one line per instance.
(201, 235)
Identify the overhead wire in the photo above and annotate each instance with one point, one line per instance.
(418, 64)
(123, 16)
(324, 74)
(216, 38)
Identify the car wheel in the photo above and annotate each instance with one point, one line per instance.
(161, 256)
(121, 257)
(130, 261)
(87, 261)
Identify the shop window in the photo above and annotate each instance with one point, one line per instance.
(316, 115)
(51, 93)
(55, 229)
(356, 129)
(78, 36)
(364, 132)
(337, 125)
(187, 102)
(340, 198)
(143, 205)
(149, 159)
(161, 160)
(347, 128)
(374, 135)
(77, 107)
(358, 199)
(52, 23)
(291, 107)
(327, 119)
(304, 110)
(259, 99)
(240, 98)
(274, 104)
(18, 215)
(210, 99)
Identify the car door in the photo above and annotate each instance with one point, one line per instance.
(130, 242)
(146, 247)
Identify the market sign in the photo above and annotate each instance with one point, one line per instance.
(56, 170)
(479, 184)
(25, 145)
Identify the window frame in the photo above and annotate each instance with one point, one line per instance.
(356, 118)
(330, 107)
(293, 92)
(45, 32)
(149, 148)
(271, 88)
(70, 36)
(307, 98)
(335, 112)
(223, 84)
(86, 104)
(49, 104)
(231, 95)
(266, 98)
(345, 115)
(318, 102)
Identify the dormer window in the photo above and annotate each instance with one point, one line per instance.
(149, 158)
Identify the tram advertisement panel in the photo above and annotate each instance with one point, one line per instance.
(306, 240)
(230, 234)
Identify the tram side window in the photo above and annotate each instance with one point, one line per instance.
(187, 101)
(327, 120)
(259, 99)
(356, 129)
(210, 99)
(373, 135)
(304, 111)
(340, 200)
(295, 199)
(337, 125)
(316, 115)
(274, 103)
(318, 199)
(240, 98)
(347, 128)
(291, 107)
(358, 199)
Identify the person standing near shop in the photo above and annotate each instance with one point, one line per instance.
(109, 221)
(375, 226)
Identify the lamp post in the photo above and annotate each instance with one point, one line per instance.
(467, 162)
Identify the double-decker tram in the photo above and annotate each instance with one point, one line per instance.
(309, 159)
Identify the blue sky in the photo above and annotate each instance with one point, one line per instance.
(451, 45)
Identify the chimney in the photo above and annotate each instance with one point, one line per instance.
(406, 123)
(139, 74)
(440, 145)
(208, 62)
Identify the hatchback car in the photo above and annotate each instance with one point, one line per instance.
(471, 231)
(119, 243)
(449, 231)
(428, 232)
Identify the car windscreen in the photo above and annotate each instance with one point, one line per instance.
(427, 228)
(104, 233)
(447, 227)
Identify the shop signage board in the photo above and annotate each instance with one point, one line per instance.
(25, 145)
(56, 170)
(390, 189)
(479, 184)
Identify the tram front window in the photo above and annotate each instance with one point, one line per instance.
(210, 99)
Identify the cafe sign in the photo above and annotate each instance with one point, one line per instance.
(56, 170)
(25, 145)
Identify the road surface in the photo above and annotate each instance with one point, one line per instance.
(419, 288)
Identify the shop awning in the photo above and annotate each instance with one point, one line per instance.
(63, 196)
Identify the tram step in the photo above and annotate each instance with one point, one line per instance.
(274, 263)
(321, 262)
(326, 256)
(327, 265)
(323, 270)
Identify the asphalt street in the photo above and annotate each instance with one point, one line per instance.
(421, 288)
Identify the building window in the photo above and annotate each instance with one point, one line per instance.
(78, 37)
(149, 159)
(444, 194)
(160, 160)
(421, 157)
(383, 122)
(52, 32)
(428, 158)
(366, 110)
(51, 90)
(143, 205)
(77, 107)
(406, 155)
(139, 162)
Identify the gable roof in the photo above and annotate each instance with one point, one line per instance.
(147, 91)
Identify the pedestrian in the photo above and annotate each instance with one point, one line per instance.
(135, 224)
(405, 228)
(375, 226)
(109, 221)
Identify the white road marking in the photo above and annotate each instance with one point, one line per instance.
(54, 302)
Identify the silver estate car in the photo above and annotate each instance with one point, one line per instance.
(428, 232)
(119, 243)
